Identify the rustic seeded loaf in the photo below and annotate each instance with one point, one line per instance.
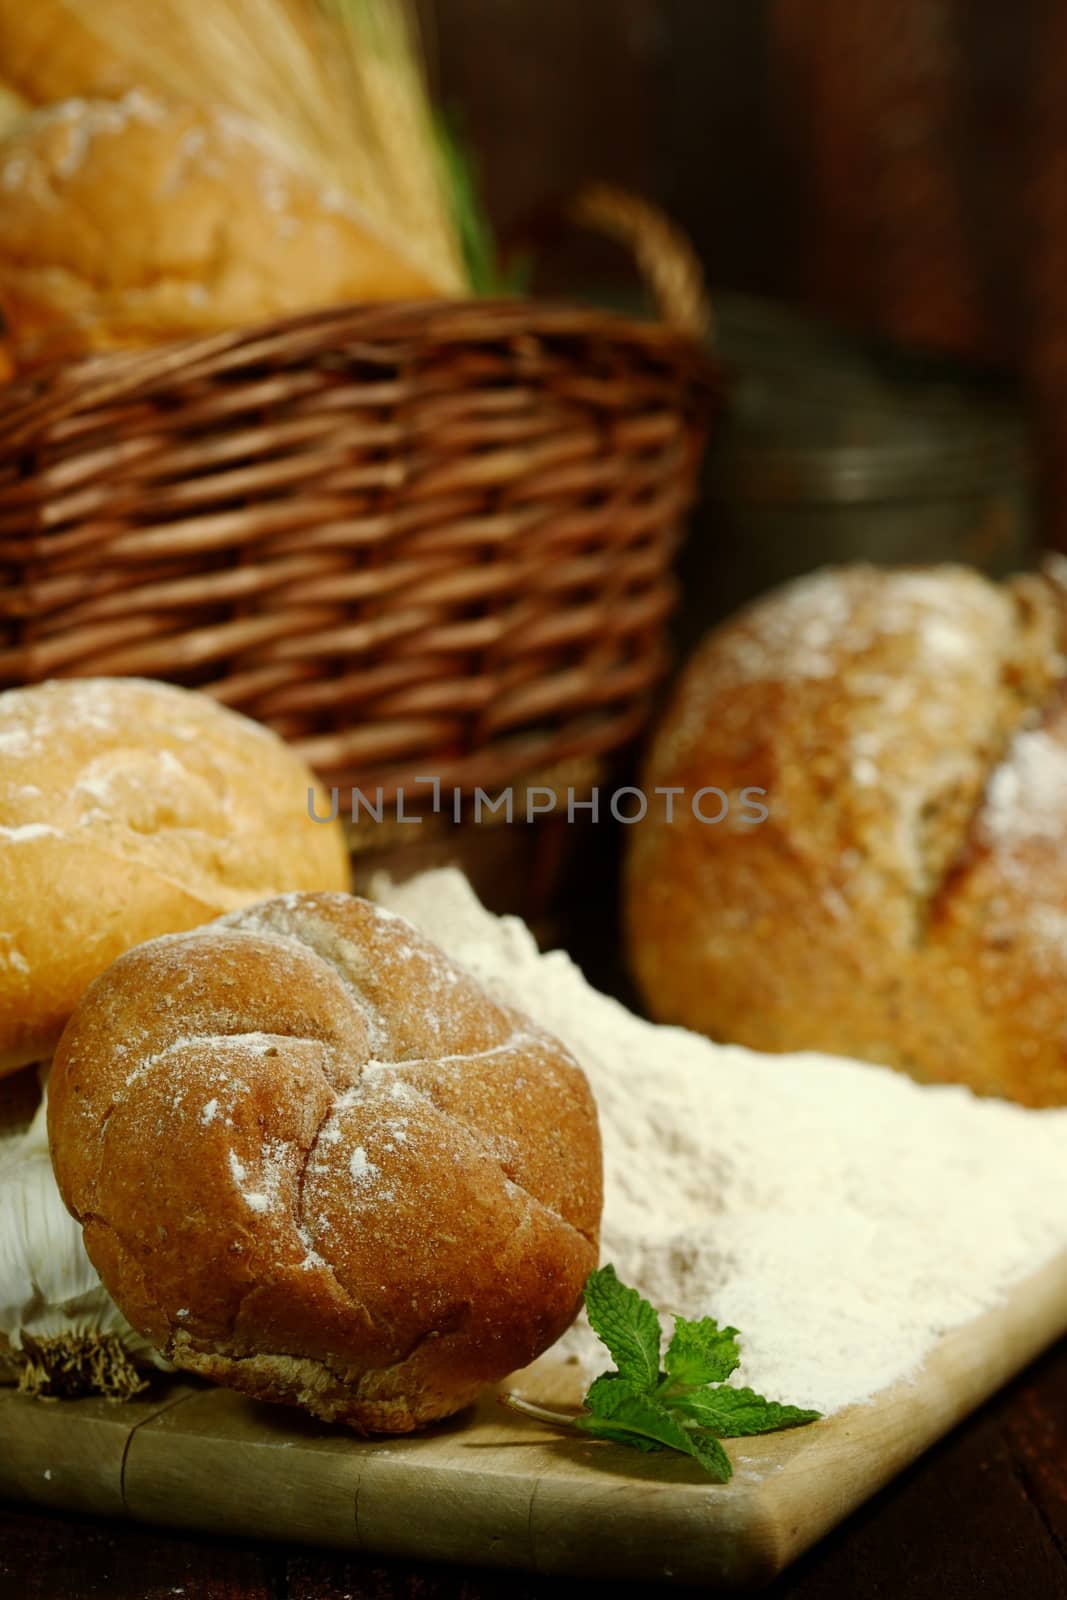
(905, 902)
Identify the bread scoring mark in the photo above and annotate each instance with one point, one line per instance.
(251, 1044)
(861, 671)
(312, 1259)
(272, 1164)
(1024, 798)
(291, 918)
(272, 924)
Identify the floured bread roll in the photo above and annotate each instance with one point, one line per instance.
(316, 1162)
(905, 899)
(131, 808)
(131, 221)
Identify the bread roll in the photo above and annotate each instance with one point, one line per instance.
(316, 1162)
(906, 900)
(128, 809)
(126, 222)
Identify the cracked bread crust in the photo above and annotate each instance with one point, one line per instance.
(905, 902)
(316, 1162)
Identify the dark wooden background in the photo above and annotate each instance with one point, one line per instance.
(898, 164)
(672, 98)
(727, 113)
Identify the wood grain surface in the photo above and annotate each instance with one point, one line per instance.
(496, 1490)
(982, 1514)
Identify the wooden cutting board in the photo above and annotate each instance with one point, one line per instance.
(491, 1488)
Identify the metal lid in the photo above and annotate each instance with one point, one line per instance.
(819, 414)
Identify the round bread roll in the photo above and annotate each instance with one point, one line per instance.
(905, 901)
(130, 221)
(316, 1162)
(127, 809)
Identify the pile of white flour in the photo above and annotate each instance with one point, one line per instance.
(839, 1215)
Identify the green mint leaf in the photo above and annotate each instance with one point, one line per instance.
(639, 1417)
(608, 1392)
(627, 1324)
(688, 1407)
(711, 1455)
(702, 1352)
(736, 1413)
(613, 1435)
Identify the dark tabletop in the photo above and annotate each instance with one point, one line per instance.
(981, 1517)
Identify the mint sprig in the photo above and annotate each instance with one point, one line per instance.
(687, 1405)
(628, 1326)
(702, 1352)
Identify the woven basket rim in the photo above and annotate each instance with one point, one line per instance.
(75, 384)
(259, 513)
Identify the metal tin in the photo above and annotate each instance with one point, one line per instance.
(839, 449)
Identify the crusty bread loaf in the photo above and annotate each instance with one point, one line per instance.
(906, 900)
(128, 809)
(316, 1162)
(131, 221)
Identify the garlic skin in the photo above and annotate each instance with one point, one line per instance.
(60, 1331)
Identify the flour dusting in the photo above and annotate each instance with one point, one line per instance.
(842, 1216)
(361, 1167)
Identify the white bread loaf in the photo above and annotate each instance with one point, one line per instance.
(133, 221)
(128, 809)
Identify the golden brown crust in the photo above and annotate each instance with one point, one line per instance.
(128, 809)
(131, 221)
(906, 900)
(47, 54)
(316, 1162)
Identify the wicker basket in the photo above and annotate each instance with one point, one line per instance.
(417, 540)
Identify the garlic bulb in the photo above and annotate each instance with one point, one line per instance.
(60, 1331)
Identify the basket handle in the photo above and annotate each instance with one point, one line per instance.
(663, 252)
